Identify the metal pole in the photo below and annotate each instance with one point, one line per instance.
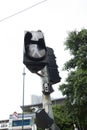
(47, 104)
(23, 98)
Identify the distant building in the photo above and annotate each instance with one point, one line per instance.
(21, 121)
(39, 105)
(4, 124)
(18, 121)
(36, 99)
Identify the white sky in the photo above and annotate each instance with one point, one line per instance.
(55, 18)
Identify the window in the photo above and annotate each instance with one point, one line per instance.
(21, 122)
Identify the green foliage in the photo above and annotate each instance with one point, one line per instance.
(77, 44)
(75, 87)
(62, 117)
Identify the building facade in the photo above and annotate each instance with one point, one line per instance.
(36, 99)
(18, 122)
(4, 124)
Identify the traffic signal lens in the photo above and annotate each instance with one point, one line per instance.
(36, 52)
(35, 45)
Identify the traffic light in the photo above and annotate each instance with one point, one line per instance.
(34, 55)
(52, 68)
(43, 120)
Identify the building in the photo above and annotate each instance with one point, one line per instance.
(39, 105)
(18, 121)
(24, 121)
(21, 121)
(4, 124)
(36, 99)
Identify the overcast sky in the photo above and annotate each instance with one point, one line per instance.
(55, 18)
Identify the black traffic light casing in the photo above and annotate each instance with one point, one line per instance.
(33, 66)
(43, 120)
(52, 68)
(34, 55)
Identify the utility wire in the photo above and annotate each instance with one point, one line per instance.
(1, 20)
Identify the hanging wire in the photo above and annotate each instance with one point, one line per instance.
(21, 11)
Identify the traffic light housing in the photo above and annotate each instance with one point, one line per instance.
(52, 68)
(34, 55)
(43, 120)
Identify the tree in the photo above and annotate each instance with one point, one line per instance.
(62, 118)
(75, 87)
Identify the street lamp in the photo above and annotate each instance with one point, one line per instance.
(23, 98)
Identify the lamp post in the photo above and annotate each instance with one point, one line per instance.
(23, 98)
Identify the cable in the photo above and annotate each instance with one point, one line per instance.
(21, 11)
